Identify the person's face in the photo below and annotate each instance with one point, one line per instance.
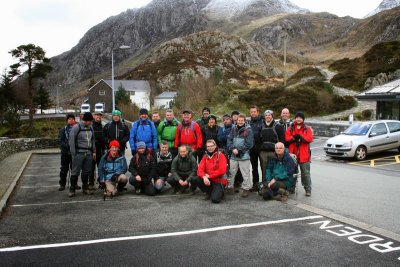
(164, 149)
(235, 117)
(211, 122)
(141, 150)
(268, 117)
(211, 147)
(186, 116)
(240, 121)
(205, 114)
(169, 116)
(285, 114)
(114, 151)
(116, 118)
(87, 123)
(183, 152)
(253, 113)
(97, 118)
(71, 121)
(299, 120)
(143, 116)
(279, 150)
(227, 121)
(155, 117)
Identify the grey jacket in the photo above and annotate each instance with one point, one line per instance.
(242, 140)
(81, 139)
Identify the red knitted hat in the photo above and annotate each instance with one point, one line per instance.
(113, 143)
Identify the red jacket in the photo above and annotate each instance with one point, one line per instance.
(189, 135)
(214, 166)
(302, 152)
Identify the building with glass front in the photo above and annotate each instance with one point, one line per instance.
(387, 97)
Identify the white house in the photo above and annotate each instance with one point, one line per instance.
(164, 99)
(139, 91)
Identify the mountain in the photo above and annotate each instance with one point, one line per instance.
(157, 27)
(384, 5)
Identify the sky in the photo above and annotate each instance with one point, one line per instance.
(58, 25)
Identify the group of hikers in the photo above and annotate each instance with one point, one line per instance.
(188, 154)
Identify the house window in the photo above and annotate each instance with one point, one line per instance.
(132, 92)
(102, 92)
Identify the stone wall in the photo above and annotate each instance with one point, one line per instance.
(10, 146)
(327, 129)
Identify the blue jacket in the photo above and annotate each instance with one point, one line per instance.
(281, 169)
(242, 140)
(145, 131)
(223, 133)
(109, 166)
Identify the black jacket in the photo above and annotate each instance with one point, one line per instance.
(270, 135)
(116, 131)
(63, 136)
(164, 163)
(143, 165)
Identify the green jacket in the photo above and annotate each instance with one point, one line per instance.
(184, 167)
(166, 132)
(281, 169)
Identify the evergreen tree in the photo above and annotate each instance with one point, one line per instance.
(122, 97)
(42, 99)
(33, 58)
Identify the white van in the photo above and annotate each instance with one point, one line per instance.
(99, 107)
(85, 108)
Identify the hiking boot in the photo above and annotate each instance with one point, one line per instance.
(285, 196)
(91, 188)
(137, 191)
(86, 190)
(292, 190)
(229, 191)
(207, 197)
(181, 191)
(77, 187)
(254, 188)
(61, 188)
(71, 193)
(245, 193)
(308, 193)
(192, 192)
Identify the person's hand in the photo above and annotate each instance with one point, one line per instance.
(271, 183)
(94, 156)
(235, 151)
(206, 180)
(169, 174)
(138, 178)
(182, 183)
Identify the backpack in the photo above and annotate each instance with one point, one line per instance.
(191, 127)
(76, 137)
(107, 127)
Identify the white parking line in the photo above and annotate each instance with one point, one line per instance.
(206, 230)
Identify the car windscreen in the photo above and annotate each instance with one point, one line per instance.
(358, 129)
(99, 106)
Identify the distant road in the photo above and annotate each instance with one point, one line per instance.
(40, 116)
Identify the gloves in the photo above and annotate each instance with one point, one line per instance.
(296, 137)
(114, 178)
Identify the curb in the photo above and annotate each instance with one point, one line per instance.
(6, 196)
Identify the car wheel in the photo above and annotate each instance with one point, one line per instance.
(361, 153)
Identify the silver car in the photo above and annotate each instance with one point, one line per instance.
(364, 138)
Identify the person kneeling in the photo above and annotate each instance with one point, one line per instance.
(143, 169)
(112, 169)
(212, 173)
(279, 174)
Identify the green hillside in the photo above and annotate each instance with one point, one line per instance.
(352, 73)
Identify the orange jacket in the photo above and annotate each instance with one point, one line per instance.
(214, 166)
(299, 146)
(189, 134)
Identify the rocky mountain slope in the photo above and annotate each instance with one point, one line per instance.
(384, 5)
(311, 37)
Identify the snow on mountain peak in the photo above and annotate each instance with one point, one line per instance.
(384, 5)
(230, 8)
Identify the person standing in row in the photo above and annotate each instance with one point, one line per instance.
(98, 135)
(255, 123)
(299, 136)
(271, 133)
(240, 141)
(210, 132)
(83, 151)
(143, 130)
(166, 131)
(66, 158)
(116, 130)
(205, 112)
(155, 118)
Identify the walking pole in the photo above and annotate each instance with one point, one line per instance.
(69, 176)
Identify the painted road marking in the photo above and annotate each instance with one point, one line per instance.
(385, 161)
(205, 230)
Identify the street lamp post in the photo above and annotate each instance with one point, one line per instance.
(112, 74)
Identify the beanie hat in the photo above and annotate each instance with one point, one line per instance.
(143, 111)
(212, 116)
(141, 144)
(235, 112)
(113, 143)
(300, 114)
(268, 111)
(116, 113)
(70, 116)
(205, 109)
(226, 115)
(87, 116)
